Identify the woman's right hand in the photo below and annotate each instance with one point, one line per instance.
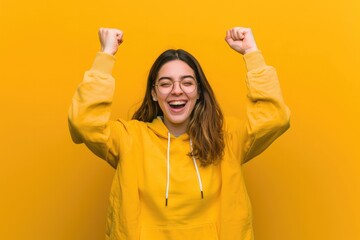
(110, 39)
(241, 40)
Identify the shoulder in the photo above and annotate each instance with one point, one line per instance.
(232, 124)
(233, 130)
(129, 126)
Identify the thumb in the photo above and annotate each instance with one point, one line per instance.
(228, 37)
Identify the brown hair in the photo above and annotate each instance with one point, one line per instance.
(206, 120)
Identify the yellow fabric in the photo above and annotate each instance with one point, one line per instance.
(137, 151)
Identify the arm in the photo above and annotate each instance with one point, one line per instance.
(267, 115)
(89, 113)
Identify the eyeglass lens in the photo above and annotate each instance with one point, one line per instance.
(187, 85)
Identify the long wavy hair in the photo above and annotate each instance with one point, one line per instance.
(206, 120)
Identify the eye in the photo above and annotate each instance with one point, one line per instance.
(165, 83)
(188, 82)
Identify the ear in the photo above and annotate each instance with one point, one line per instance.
(153, 94)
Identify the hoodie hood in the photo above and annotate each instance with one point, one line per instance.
(159, 128)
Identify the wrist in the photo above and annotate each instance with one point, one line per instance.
(108, 51)
(252, 49)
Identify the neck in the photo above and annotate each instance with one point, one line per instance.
(176, 129)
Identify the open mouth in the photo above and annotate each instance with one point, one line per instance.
(177, 104)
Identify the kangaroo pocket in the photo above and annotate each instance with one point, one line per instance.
(194, 232)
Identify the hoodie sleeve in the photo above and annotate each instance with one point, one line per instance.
(267, 115)
(90, 110)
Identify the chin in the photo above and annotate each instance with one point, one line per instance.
(178, 119)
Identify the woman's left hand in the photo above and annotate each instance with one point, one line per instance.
(241, 40)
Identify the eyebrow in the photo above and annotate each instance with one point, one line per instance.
(182, 77)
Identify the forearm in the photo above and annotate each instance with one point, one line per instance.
(90, 110)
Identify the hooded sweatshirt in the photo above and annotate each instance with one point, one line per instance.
(159, 191)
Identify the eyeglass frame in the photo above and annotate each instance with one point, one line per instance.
(173, 83)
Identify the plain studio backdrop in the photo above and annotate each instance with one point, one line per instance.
(306, 186)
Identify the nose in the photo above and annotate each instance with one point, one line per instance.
(176, 88)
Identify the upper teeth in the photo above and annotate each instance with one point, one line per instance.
(177, 102)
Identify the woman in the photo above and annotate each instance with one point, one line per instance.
(178, 161)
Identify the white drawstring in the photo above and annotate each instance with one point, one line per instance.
(197, 171)
(168, 171)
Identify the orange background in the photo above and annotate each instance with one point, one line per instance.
(306, 186)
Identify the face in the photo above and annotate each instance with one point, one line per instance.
(177, 102)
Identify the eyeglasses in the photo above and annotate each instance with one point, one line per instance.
(187, 85)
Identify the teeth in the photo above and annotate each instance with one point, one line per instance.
(177, 102)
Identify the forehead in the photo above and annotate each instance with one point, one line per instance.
(175, 68)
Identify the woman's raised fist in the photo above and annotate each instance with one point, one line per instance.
(110, 40)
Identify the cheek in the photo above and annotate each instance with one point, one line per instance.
(194, 102)
(197, 96)
(161, 100)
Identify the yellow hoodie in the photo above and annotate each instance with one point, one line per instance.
(151, 164)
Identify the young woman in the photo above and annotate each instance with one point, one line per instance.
(178, 161)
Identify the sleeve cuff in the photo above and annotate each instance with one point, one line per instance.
(254, 60)
(103, 63)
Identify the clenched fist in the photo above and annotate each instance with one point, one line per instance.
(110, 40)
(241, 40)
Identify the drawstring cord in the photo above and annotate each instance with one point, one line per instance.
(168, 171)
(197, 171)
